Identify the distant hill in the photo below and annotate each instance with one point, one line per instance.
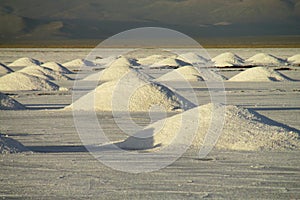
(22, 20)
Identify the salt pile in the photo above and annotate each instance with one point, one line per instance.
(79, 63)
(294, 59)
(258, 74)
(194, 58)
(243, 130)
(9, 145)
(56, 67)
(150, 60)
(21, 81)
(24, 62)
(7, 103)
(4, 69)
(265, 59)
(169, 63)
(42, 72)
(141, 93)
(228, 59)
(187, 73)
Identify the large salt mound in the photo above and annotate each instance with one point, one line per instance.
(265, 59)
(24, 62)
(145, 94)
(170, 62)
(150, 60)
(294, 59)
(21, 81)
(79, 63)
(228, 59)
(56, 67)
(243, 130)
(7, 103)
(193, 58)
(188, 73)
(42, 72)
(259, 74)
(9, 145)
(4, 69)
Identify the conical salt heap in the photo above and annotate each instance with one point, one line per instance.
(42, 72)
(7, 103)
(188, 73)
(9, 145)
(21, 81)
(138, 93)
(25, 61)
(265, 59)
(228, 59)
(259, 74)
(243, 130)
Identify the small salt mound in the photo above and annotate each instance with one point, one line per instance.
(7, 103)
(188, 73)
(150, 60)
(9, 145)
(243, 130)
(21, 81)
(169, 63)
(294, 59)
(79, 63)
(45, 73)
(258, 74)
(228, 59)
(24, 62)
(56, 67)
(4, 69)
(143, 95)
(116, 70)
(265, 59)
(193, 58)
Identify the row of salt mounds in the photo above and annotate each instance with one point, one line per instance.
(7, 103)
(25, 61)
(295, 60)
(21, 81)
(9, 145)
(171, 62)
(43, 72)
(259, 74)
(78, 63)
(145, 94)
(5, 69)
(265, 59)
(188, 73)
(114, 71)
(243, 130)
(57, 67)
(228, 59)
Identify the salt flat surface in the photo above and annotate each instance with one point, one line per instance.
(60, 167)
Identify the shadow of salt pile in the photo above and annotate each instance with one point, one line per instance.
(243, 129)
(9, 145)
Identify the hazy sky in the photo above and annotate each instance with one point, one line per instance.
(97, 19)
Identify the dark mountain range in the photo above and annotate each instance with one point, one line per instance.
(97, 19)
